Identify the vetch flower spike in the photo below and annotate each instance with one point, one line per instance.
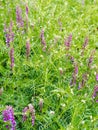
(32, 111)
(25, 113)
(43, 40)
(84, 79)
(8, 116)
(27, 48)
(90, 60)
(74, 76)
(12, 57)
(9, 35)
(84, 45)
(19, 19)
(96, 77)
(68, 42)
(27, 9)
(41, 104)
(95, 94)
(29, 109)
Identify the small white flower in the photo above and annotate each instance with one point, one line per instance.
(63, 105)
(72, 92)
(83, 101)
(82, 122)
(52, 112)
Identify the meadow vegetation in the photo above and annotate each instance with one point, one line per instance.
(48, 65)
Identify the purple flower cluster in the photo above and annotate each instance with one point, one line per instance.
(43, 40)
(95, 93)
(84, 45)
(90, 60)
(12, 57)
(29, 109)
(60, 24)
(27, 49)
(74, 76)
(68, 41)
(27, 10)
(9, 35)
(82, 83)
(8, 116)
(96, 77)
(25, 113)
(41, 104)
(19, 19)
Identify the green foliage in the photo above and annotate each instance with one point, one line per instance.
(47, 74)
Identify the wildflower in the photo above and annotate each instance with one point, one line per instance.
(75, 70)
(96, 77)
(82, 83)
(74, 76)
(12, 57)
(90, 60)
(27, 10)
(24, 113)
(27, 49)
(85, 42)
(52, 112)
(8, 116)
(63, 105)
(9, 35)
(95, 93)
(68, 41)
(41, 104)
(84, 45)
(43, 40)
(72, 58)
(73, 80)
(30, 109)
(1, 91)
(60, 24)
(19, 19)
(61, 71)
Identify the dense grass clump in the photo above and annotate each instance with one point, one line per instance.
(48, 65)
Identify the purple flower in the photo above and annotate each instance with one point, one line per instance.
(85, 42)
(96, 77)
(72, 58)
(73, 80)
(41, 104)
(75, 70)
(84, 45)
(74, 76)
(68, 41)
(33, 119)
(19, 19)
(43, 40)
(95, 93)
(12, 57)
(27, 9)
(30, 109)
(27, 49)
(90, 60)
(9, 35)
(25, 113)
(8, 116)
(82, 83)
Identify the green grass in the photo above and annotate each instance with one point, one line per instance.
(39, 77)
